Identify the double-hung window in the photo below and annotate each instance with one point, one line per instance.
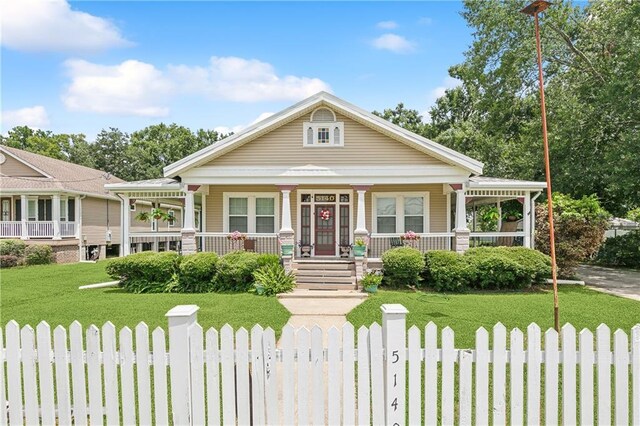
(251, 213)
(64, 209)
(399, 213)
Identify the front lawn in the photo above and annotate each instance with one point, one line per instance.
(465, 313)
(50, 293)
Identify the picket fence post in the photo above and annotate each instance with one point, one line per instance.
(394, 340)
(180, 318)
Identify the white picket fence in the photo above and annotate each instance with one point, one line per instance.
(377, 375)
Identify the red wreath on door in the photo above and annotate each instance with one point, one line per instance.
(325, 214)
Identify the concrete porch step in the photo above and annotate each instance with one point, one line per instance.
(327, 280)
(323, 294)
(321, 290)
(323, 273)
(345, 266)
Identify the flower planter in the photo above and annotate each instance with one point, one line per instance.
(286, 249)
(305, 251)
(345, 251)
(359, 251)
(373, 288)
(259, 289)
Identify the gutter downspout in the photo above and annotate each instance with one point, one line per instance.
(532, 226)
(123, 211)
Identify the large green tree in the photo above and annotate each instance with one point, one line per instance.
(592, 74)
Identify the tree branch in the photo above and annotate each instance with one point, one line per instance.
(575, 50)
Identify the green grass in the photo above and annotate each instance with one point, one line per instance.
(465, 313)
(50, 293)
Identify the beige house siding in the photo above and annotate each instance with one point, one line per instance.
(437, 202)
(13, 167)
(362, 146)
(98, 215)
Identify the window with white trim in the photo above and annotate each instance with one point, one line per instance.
(323, 129)
(399, 213)
(251, 213)
(171, 219)
(32, 209)
(64, 209)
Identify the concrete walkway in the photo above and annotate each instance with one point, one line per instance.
(318, 307)
(619, 282)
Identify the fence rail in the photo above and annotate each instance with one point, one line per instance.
(380, 243)
(10, 229)
(374, 375)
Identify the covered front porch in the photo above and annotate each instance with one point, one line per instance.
(328, 221)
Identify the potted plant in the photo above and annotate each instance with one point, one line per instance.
(360, 247)
(345, 250)
(512, 215)
(143, 217)
(259, 288)
(158, 214)
(305, 249)
(410, 238)
(285, 249)
(236, 240)
(371, 280)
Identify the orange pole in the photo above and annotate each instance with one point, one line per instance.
(547, 169)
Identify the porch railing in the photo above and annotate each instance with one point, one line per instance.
(380, 243)
(36, 229)
(482, 239)
(11, 229)
(219, 243)
(67, 229)
(156, 241)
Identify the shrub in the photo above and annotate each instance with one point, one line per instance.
(8, 261)
(235, 271)
(447, 271)
(402, 266)
(196, 272)
(268, 259)
(579, 230)
(634, 214)
(38, 254)
(274, 279)
(12, 248)
(623, 250)
(371, 278)
(537, 265)
(146, 272)
(497, 271)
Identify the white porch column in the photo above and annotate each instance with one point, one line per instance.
(286, 234)
(24, 215)
(361, 228)
(188, 231)
(462, 231)
(55, 209)
(526, 220)
(126, 225)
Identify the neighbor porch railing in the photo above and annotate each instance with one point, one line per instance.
(379, 243)
(219, 243)
(11, 229)
(481, 239)
(67, 229)
(36, 229)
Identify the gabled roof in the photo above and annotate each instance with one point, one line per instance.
(411, 139)
(59, 176)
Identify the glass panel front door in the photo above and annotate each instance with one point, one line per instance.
(325, 241)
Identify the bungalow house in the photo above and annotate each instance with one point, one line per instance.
(322, 174)
(64, 205)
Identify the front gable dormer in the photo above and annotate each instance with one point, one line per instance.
(324, 130)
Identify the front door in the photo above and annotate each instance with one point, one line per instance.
(325, 241)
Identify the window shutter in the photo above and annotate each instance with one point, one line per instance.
(41, 210)
(71, 210)
(18, 210)
(336, 136)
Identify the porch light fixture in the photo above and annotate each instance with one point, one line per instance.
(533, 9)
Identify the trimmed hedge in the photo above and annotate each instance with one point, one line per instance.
(235, 271)
(147, 272)
(447, 271)
(196, 272)
(12, 248)
(485, 268)
(38, 254)
(402, 266)
(8, 261)
(623, 250)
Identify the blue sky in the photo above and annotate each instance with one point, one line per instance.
(83, 66)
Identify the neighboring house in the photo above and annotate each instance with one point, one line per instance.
(322, 173)
(54, 202)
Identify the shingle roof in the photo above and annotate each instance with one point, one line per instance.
(64, 175)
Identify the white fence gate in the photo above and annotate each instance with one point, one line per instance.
(377, 375)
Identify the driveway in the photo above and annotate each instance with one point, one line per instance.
(620, 282)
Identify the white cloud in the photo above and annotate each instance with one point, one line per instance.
(35, 117)
(425, 21)
(132, 87)
(244, 80)
(387, 25)
(235, 129)
(138, 88)
(448, 83)
(51, 25)
(393, 43)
